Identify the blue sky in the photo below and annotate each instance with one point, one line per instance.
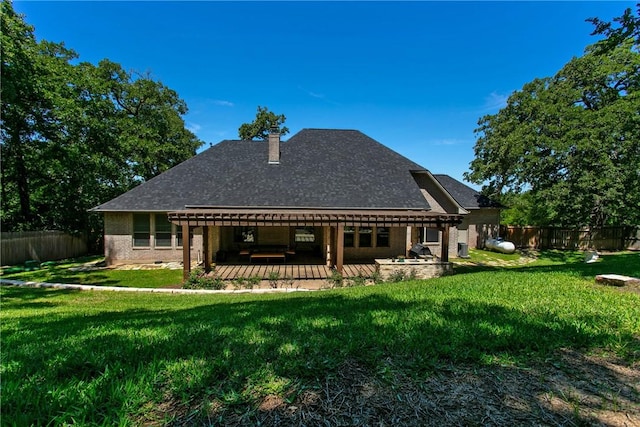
(415, 76)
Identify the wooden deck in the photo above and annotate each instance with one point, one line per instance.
(293, 271)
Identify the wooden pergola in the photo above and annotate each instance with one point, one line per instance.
(334, 221)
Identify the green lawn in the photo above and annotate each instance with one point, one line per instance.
(107, 358)
(59, 272)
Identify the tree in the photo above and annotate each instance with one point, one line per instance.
(261, 126)
(28, 71)
(77, 135)
(628, 27)
(570, 141)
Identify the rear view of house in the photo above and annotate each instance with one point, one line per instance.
(331, 196)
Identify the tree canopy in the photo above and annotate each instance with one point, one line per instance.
(74, 134)
(571, 141)
(262, 125)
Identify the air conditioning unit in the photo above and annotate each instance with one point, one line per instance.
(463, 250)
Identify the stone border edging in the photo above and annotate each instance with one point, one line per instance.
(150, 290)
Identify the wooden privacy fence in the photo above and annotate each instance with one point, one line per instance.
(608, 238)
(18, 247)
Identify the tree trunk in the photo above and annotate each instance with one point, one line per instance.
(21, 178)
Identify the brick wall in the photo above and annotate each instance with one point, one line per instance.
(483, 224)
(118, 242)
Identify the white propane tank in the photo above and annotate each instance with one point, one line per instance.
(500, 245)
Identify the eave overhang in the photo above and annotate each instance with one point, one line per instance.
(315, 217)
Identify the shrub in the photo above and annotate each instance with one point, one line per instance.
(336, 280)
(376, 277)
(397, 276)
(198, 279)
(273, 278)
(359, 280)
(192, 280)
(240, 282)
(288, 282)
(216, 283)
(253, 281)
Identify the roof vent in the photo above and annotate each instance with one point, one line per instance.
(274, 145)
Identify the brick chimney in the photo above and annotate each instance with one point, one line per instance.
(274, 145)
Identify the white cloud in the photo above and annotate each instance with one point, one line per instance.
(311, 94)
(318, 96)
(495, 101)
(193, 127)
(223, 103)
(447, 141)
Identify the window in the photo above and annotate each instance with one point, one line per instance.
(179, 236)
(245, 234)
(382, 237)
(365, 237)
(305, 234)
(430, 235)
(141, 230)
(163, 231)
(349, 233)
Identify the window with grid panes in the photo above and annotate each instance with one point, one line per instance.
(141, 230)
(162, 231)
(349, 237)
(382, 237)
(365, 237)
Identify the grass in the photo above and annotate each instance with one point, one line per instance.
(98, 358)
(59, 272)
(481, 256)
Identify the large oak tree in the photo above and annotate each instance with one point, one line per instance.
(75, 134)
(572, 141)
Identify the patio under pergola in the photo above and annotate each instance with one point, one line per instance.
(332, 221)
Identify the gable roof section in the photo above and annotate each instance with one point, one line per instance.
(465, 195)
(319, 168)
(437, 196)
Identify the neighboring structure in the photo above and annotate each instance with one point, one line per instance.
(336, 195)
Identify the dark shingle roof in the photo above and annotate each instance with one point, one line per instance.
(465, 195)
(319, 168)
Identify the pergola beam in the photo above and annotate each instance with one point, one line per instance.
(331, 218)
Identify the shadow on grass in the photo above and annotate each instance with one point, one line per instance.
(232, 351)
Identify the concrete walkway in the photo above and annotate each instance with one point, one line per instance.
(152, 290)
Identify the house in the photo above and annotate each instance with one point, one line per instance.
(483, 218)
(336, 195)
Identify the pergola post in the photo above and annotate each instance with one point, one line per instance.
(186, 252)
(409, 240)
(327, 245)
(206, 248)
(445, 243)
(339, 247)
